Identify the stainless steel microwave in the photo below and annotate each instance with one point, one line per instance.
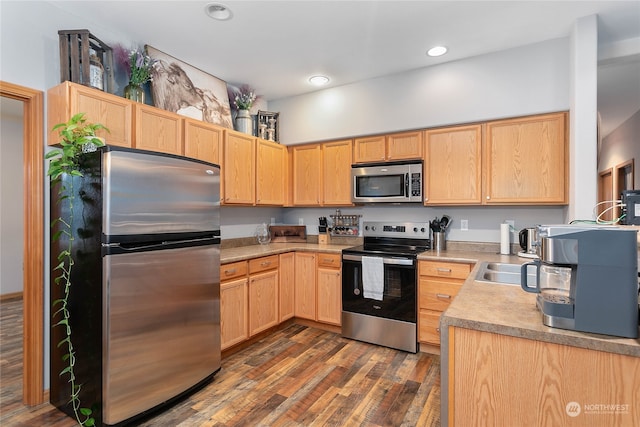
(387, 182)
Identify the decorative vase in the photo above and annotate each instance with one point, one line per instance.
(244, 123)
(134, 92)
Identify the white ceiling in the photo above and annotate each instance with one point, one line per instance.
(276, 45)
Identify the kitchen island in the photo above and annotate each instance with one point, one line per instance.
(502, 366)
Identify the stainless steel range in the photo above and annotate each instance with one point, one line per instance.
(379, 284)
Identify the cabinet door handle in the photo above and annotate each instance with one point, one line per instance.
(230, 272)
(443, 296)
(438, 330)
(443, 270)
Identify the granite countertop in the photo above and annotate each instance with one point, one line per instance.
(508, 310)
(497, 308)
(254, 251)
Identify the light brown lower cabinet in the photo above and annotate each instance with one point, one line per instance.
(305, 293)
(502, 380)
(438, 283)
(287, 286)
(329, 288)
(263, 294)
(234, 304)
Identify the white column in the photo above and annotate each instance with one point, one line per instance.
(583, 100)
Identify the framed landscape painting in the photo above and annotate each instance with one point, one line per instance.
(181, 88)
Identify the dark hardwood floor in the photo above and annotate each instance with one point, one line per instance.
(297, 376)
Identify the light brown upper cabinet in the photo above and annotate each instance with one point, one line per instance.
(306, 174)
(369, 149)
(392, 147)
(453, 160)
(116, 113)
(238, 170)
(158, 130)
(271, 168)
(526, 160)
(336, 171)
(404, 146)
(203, 141)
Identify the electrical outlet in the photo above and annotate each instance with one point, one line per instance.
(464, 225)
(512, 224)
(273, 221)
(300, 221)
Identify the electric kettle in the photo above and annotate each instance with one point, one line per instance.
(527, 238)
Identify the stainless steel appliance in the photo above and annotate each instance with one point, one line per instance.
(145, 301)
(379, 284)
(528, 239)
(587, 278)
(398, 182)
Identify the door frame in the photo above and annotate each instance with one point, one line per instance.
(33, 254)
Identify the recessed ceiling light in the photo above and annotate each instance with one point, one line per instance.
(218, 11)
(437, 51)
(318, 80)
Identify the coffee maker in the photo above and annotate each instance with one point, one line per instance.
(587, 278)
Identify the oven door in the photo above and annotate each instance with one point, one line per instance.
(399, 295)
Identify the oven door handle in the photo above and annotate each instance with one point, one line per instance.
(390, 261)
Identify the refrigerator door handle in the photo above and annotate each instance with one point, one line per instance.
(161, 245)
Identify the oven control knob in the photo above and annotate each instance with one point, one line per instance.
(415, 229)
(422, 229)
(373, 228)
(366, 227)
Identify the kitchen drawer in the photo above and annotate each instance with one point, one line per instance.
(233, 270)
(263, 264)
(326, 260)
(452, 270)
(437, 294)
(429, 327)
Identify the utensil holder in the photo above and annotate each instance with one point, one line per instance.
(439, 242)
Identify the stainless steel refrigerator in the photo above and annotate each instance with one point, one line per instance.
(145, 299)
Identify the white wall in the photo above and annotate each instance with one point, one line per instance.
(484, 221)
(528, 80)
(11, 200)
(583, 166)
(621, 145)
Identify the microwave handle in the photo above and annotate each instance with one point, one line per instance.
(406, 185)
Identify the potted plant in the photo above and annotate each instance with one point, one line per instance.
(137, 65)
(243, 99)
(77, 136)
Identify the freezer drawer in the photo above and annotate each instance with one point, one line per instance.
(161, 326)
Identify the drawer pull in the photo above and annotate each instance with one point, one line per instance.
(443, 296)
(230, 272)
(443, 270)
(328, 260)
(265, 263)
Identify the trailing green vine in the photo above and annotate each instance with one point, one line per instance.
(74, 134)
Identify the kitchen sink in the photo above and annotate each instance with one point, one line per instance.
(503, 273)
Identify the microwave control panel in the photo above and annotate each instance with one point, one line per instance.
(416, 184)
